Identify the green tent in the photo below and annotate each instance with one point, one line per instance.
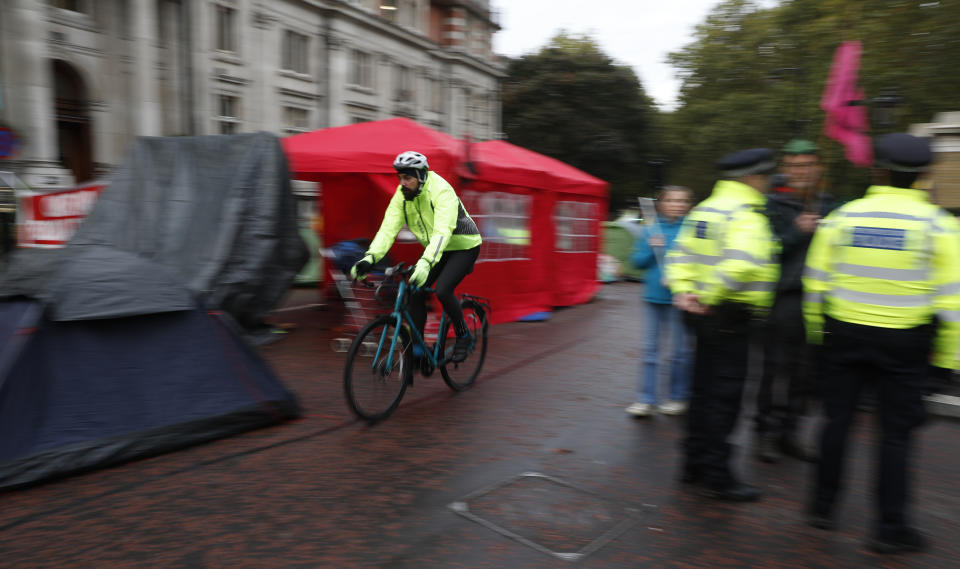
(310, 274)
(618, 243)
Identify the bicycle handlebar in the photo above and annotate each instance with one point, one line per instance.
(389, 273)
(401, 270)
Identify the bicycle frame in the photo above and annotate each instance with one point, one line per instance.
(401, 314)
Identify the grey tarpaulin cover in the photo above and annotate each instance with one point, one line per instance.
(185, 220)
(111, 356)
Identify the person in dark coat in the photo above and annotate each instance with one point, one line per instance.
(794, 207)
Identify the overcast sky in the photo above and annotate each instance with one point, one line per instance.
(638, 33)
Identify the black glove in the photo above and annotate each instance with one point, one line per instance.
(362, 267)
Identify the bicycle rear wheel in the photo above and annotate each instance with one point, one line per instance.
(459, 376)
(374, 390)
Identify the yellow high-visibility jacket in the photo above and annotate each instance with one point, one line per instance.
(725, 250)
(892, 260)
(436, 217)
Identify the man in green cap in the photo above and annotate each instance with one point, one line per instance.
(794, 208)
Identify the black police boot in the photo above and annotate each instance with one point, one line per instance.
(904, 540)
(768, 447)
(821, 519)
(793, 448)
(820, 515)
(691, 475)
(733, 491)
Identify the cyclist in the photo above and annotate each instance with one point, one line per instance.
(429, 206)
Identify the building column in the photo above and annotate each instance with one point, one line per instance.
(146, 91)
(263, 95)
(337, 74)
(200, 67)
(29, 95)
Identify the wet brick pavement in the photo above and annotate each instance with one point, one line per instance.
(327, 491)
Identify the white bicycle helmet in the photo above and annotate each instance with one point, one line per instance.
(410, 160)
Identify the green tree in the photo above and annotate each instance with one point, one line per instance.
(572, 102)
(754, 77)
(736, 92)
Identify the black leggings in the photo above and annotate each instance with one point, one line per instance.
(444, 278)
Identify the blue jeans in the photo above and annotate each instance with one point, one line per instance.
(664, 321)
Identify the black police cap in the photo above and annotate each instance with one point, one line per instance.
(747, 162)
(902, 152)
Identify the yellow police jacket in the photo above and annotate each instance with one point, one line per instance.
(892, 260)
(436, 217)
(725, 250)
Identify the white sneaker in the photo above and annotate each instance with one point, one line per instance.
(673, 408)
(640, 409)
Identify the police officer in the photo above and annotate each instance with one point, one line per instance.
(722, 270)
(882, 292)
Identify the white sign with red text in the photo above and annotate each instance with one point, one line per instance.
(49, 219)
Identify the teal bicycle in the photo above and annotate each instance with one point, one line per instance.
(380, 362)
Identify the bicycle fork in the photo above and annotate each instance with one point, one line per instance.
(388, 365)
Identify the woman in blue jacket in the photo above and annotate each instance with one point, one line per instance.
(661, 318)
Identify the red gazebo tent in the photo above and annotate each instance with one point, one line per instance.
(567, 209)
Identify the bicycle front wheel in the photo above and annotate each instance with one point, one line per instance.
(374, 388)
(459, 376)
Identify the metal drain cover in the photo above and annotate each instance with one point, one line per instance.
(548, 515)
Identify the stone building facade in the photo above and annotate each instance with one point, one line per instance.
(79, 79)
(944, 182)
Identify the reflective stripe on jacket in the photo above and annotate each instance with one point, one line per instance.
(892, 260)
(436, 217)
(726, 250)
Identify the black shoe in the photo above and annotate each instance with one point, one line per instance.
(792, 448)
(424, 365)
(691, 477)
(905, 540)
(821, 521)
(768, 448)
(733, 492)
(461, 349)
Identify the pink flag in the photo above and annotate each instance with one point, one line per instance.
(845, 122)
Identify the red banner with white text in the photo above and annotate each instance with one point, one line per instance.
(49, 219)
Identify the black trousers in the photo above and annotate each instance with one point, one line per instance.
(7, 222)
(786, 383)
(444, 277)
(719, 373)
(895, 361)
